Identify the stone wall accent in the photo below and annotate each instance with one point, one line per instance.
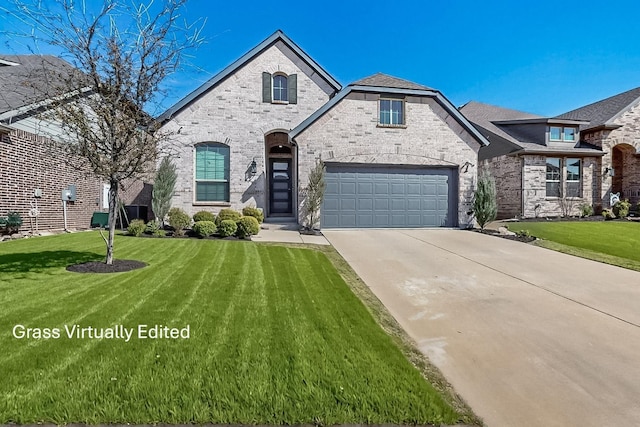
(26, 164)
(537, 204)
(350, 133)
(507, 172)
(233, 113)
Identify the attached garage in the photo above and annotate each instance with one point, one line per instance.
(389, 196)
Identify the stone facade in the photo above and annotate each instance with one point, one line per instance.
(507, 172)
(233, 113)
(621, 149)
(349, 133)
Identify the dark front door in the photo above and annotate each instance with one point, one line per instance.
(280, 186)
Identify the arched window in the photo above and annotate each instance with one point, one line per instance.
(280, 88)
(212, 172)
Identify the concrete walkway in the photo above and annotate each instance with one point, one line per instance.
(527, 336)
(286, 233)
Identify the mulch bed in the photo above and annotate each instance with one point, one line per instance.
(118, 266)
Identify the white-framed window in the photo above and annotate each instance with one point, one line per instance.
(391, 112)
(212, 172)
(280, 88)
(562, 133)
(561, 183)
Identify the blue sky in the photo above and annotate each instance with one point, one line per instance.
(544, 57)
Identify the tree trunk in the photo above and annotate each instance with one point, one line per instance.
(113, 206)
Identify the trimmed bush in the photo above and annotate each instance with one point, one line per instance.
(205, 228)
(485, 205)
(608, 214)
(621, 208)
(227, 214)
(247, 226)
(254, 212)
(586, 210)
(159, 233)
(13, 222)
(152, 227)
(179, 220)
(203, 216)
(227, 228)
(136, 227)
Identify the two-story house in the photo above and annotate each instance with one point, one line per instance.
(397, 154)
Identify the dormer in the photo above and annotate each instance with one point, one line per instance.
(544, 131)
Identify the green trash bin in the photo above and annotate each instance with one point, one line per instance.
(100, 219)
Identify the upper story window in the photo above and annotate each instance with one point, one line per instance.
(391, 112)
(280, 91)
(559, 133)
(280, 88)
(212, 172)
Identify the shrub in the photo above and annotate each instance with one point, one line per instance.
(313, 196)
(152, 227)
(608, 214)
(621, 208)
(159, 233)
(203, 216)
(136, 227)
(485, 205)
(204, 228)
(163, 188)
(254, 212)
(13, 222)
(247, 226)
(523, 233)
(227, 228)
(179, 220)
(586, 210)
(227, 214)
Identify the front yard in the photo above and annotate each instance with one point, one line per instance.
(612, 242)
(275, 337)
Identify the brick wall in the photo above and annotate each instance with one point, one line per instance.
(507, 172)
(350, 133)
(25, 164)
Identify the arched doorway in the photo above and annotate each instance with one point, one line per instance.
(626, 169)
(280, 175)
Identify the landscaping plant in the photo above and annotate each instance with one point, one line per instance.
(13, 222)
(123, 53)
(621, 208)
(226, 214)
(205, 228)
(227, 227)
(163, 187)
(136, 227)
(313, 196)
(203, 216)
(152, 227)
(586, 210)
(179, 220)
(254, 212)
(608, 214)
(247, 226)
(485, 205)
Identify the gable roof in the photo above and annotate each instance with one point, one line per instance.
(493, 122)
(27, 79)
(385, 80)
(244, 59)
(371, 86)
(603, 113)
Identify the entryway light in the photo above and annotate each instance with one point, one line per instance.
(609, 171)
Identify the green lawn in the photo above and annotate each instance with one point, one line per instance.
(276, 337)
(613, 242)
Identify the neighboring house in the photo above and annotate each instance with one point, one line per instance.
(397, 154)
(551, 166)
(31, 174)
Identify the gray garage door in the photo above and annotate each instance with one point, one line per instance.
(389, 196)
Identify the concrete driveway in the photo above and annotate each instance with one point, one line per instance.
(527, 336)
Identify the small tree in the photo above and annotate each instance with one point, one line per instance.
(314, 195)
(485, 205)
(123, 51)
(163, 187)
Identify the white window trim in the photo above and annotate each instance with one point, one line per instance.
(195, 201)
(562, 181)
(562, 134)
(404, 113)
(273, 88)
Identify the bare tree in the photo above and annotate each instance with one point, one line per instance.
(124, 51)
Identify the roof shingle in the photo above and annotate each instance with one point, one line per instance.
(602, 112)
(385, 80)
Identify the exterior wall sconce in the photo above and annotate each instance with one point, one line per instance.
(465, 167)
(609, 171)
(252, 170)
